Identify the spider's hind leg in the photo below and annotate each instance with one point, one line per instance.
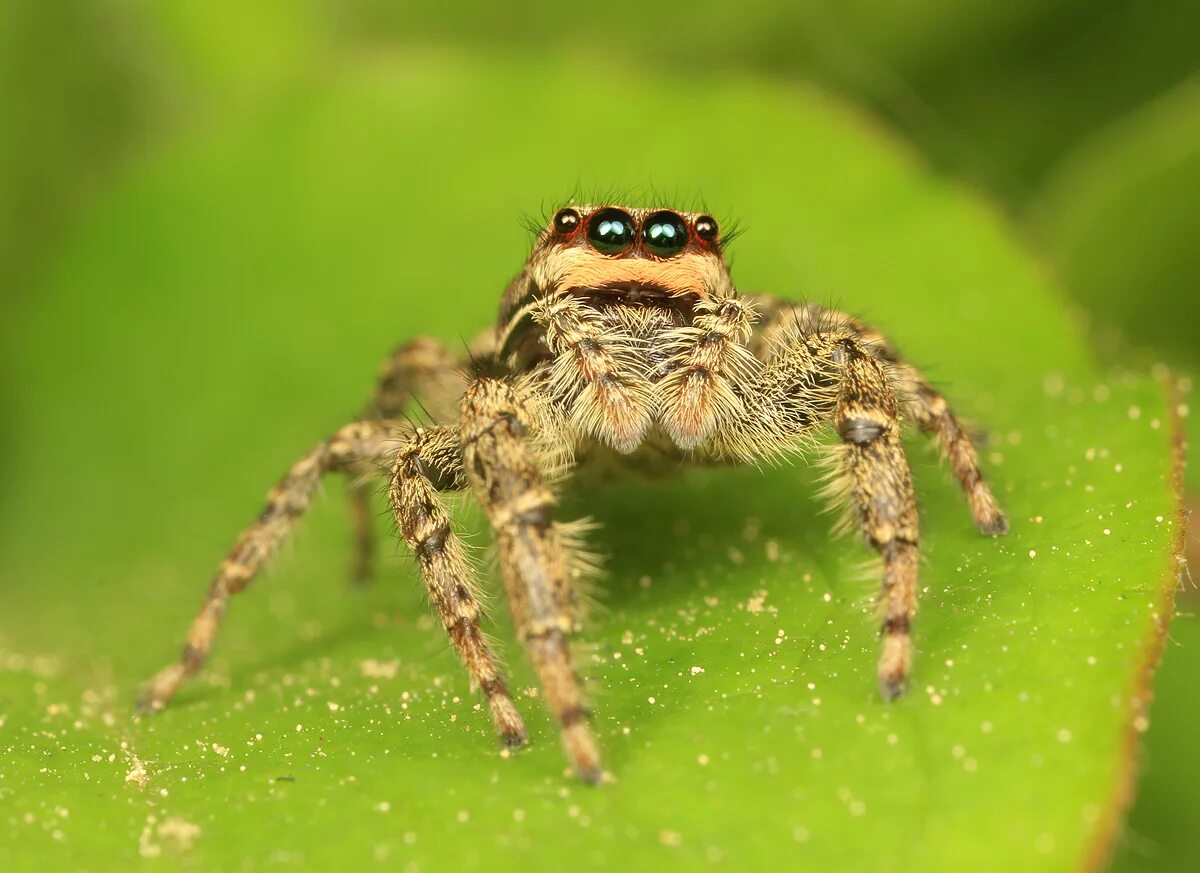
(351, 448)
(919, 401)
(422, 369)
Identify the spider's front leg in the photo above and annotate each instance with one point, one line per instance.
(430, 461)
(920, 401)
(812, 376)
(516, 496)
(354, 446)
(876, 474)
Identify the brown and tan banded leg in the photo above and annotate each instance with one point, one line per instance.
(880, 489)
(346, 451)
(816, 373)
(518, 501)
(920, 401)
(925, 405)
(703, 359)
(422, 369)
(425, 464)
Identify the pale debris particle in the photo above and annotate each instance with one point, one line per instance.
(670, 838)
(697, 671)
(137, 774)
(1064, 735)
(755, 603)
(173, 829)
(373, 669)
(463, 816)
(383, 806)
(702, 760)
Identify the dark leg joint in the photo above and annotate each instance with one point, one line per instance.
(859, 431)
(536, 517)
(573, 716)
(434, 544)
(492, 687)
(192, 658)
(895, 624)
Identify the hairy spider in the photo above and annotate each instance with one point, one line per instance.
(623, 339)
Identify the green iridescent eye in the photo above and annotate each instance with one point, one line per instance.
(665, 234)
(611, 231)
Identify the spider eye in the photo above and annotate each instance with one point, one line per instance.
(706, 228)
(566, 221)
(665, 234)
(611, 231)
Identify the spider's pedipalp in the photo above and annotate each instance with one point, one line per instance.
(595, 373)
(704, 358)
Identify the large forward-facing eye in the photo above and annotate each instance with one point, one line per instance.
(665, 234)
(611, 231)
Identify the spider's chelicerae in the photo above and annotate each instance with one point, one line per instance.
(623, 339)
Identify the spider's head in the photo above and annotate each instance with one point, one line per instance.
(632, 256)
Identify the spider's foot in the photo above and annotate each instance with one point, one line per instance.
(159, 690)
(509, 723)
(894, 665)
(994, 524)
(148, 703)
(582, 752)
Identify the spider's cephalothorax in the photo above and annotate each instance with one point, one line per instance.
(622, 338)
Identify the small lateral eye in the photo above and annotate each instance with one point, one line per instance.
(706, 228)
(611, 231)
(665, 234)
(566, 221)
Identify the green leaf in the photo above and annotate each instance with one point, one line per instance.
(227, 305)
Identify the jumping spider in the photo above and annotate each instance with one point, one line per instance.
(623, 339)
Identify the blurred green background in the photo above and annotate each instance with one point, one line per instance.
(1079, 120)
